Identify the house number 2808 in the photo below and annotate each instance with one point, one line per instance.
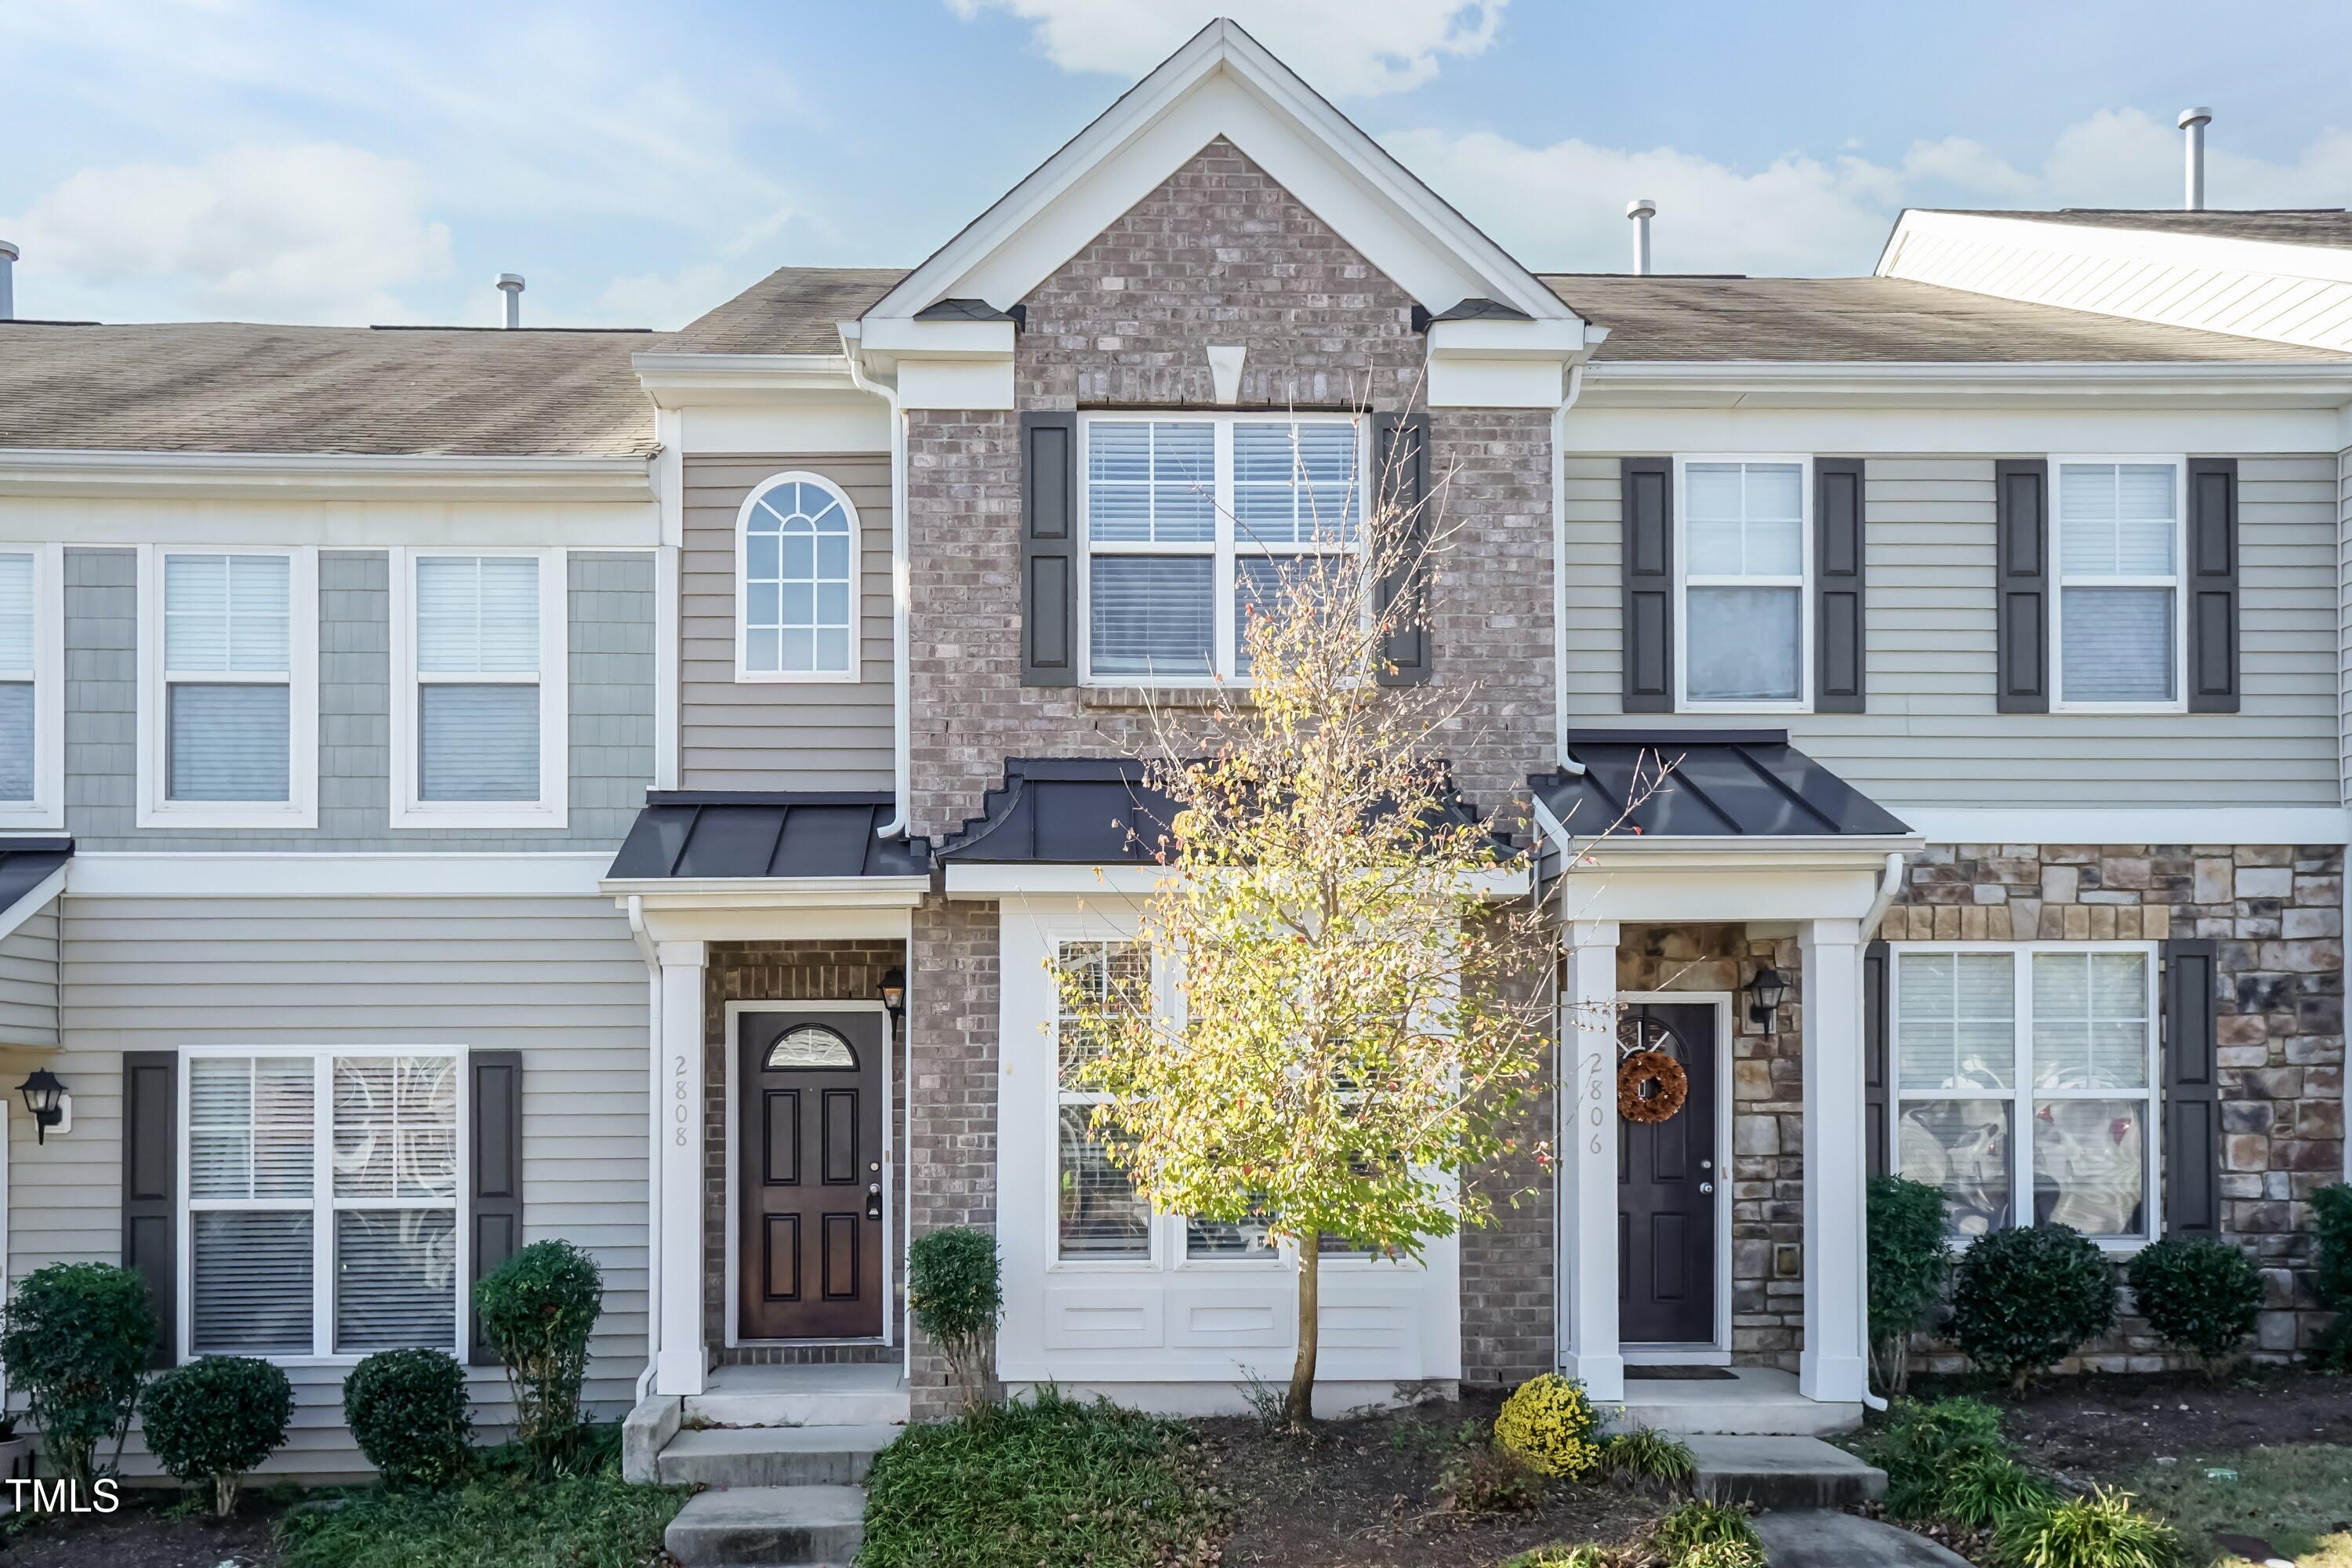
(679, 1111)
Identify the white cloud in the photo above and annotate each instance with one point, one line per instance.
(1349, 49)
(309, 232)
(668, 300)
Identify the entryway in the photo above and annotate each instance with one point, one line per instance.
(1673, 1197)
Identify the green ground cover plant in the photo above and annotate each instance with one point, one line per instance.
(508, 1516)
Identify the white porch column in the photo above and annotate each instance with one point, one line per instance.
(1587, 1162)
(679, 1358)
(1834, 1362)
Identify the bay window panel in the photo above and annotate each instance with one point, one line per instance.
(2117, 644)
(396, 1279)
(1963, 1148)
(1226, 1241)
(477, 742)
(228, 741)
(1742, 644)
(1100, 1214)
(249, 1282)
(2090, 1165)
(1116, 975)
(1153, 616)
(17, 704)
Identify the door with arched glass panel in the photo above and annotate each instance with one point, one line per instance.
(809, 1175)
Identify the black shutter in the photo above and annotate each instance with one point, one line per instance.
(2213, 585)
(2192, 1090)
(497, 1178)
(1838, 650)
(1049, 543)
(2022, 562)
(1401, 452)
(1875, 956)
(151, 1182)
(1649, 652)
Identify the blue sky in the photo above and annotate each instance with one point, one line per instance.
(260, 159)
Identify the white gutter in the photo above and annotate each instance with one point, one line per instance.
(653, 1139)
(1892, 879)
(901, 735)
(1887, 886)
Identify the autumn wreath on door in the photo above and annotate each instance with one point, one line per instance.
(1651, 1084)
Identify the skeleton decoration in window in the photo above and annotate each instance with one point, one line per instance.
(811, 1045)
(1650, 1083)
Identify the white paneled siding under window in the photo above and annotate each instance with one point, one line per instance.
(1745, 616)
(229, 684)
(2119, 601)
(478, 726)
(322, 1201)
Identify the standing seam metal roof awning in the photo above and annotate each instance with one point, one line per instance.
(1713, 783)
(695, 835)
(24, 865)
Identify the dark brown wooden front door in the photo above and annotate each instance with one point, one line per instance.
(809, 1173)
(1668, 1183)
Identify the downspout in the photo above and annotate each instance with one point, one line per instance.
(901, 741)
(644, 939)
(1888, 881)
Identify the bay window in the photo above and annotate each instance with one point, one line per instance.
(478, 725)
(2119, 602)
(32, 711)
(1744, 613)
(228, 688)
(2027, 1075)
(1195, 522)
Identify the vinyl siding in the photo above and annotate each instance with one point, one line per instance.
(558, 979)
(2344, 599)
(1931, 737)
(772, 734)
(29, 980)
(610, 664)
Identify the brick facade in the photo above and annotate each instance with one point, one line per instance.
(951, 1163)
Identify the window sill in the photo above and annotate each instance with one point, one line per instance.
(1181, 698)
(457, 814)
(228, 815)
(31, 816)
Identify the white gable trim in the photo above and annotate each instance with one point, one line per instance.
(1222, 83)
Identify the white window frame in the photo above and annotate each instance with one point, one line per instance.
(2177, 582)
(47, 809)
(323, 1204)
(552, 806)
(299, 809)
(1224, 548)
(2022, 1092)
(1802, 582)
(744, 674)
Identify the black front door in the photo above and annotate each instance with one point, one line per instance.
(808, 1177)
(1667, 1188)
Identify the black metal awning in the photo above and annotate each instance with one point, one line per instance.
(1710, 784)
(697, 836)
(24, 865)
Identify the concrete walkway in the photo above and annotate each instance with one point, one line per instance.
(1817, 1537)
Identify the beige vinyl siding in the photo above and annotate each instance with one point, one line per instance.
(558, 979)
(1931, 736)
(779, 734)
(29, 980)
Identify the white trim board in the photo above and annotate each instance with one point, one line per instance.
(2131, 824)
(350, 476)
(142, 874)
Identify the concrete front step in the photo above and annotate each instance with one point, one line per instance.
(1781, 1472)
(1753, 1401)
(769, 1527)
(849, 1396)
(724, 1457)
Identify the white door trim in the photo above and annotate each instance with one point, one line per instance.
(1638, 1352)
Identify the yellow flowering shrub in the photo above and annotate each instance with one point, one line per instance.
(1549, 1423)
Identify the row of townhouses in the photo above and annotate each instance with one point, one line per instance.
(463, 787)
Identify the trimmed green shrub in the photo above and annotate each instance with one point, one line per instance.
(537, 1310)
(216, 1418)
(2027, 1298)
(2331, 1269)
(1948, 1460)
(76, 1339)
(2201, 1294)
(1909, 1262)
(408, 1412)
(956, 1295)
(2098, 1530)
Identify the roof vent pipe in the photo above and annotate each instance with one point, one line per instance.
(1641, 210)
(2194, 120)
(8, 254)
(510, 286)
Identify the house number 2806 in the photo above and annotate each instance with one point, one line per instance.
(1591, 1092)
(679, 1111)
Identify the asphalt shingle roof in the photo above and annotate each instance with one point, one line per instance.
(2327, 227)
(791, 310)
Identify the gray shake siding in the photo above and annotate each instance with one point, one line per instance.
(780, 734)
(558, 979)
(1931, 736)
(610, 671)
(29, 980)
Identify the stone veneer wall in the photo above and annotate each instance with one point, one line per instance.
(783, 972)
(2276, 911)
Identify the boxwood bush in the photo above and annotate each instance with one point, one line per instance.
(956, 1295)
(2201, 1294)
(1909, 1263)
(215, 1419)
(408, 1412)
(2026, 1298)
(537, 1310)
(76, 1339)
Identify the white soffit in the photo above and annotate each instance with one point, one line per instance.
(2223, 252)
(1222, 83)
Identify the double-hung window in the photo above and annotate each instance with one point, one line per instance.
(1744, 615)
(478, 731)
(32, 710)
(2026, 1084)
(1101, 1217)
(1196, 523)
(2119, 600)
(321, 1216)
(229, 687)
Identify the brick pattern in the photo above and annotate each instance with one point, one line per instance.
(2276, 911)
(781, 972)
(1507, 1269)
(951, 1027)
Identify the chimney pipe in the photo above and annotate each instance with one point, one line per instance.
(1641, 210)
(8, 254)
(2194, 120)
(510, 286)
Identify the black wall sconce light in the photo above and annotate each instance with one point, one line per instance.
(48, 1102)
(894, 994)
(1764, 995)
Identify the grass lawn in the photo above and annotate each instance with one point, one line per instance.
(500, 1520)
(2295, 1500)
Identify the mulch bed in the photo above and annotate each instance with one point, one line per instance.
(143, 1534)
(1361, 1494)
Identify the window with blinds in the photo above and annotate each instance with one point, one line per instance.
(1744, 531)
(227, 677)
(1101, 1215)
(322, 1201)
(1194, 525)
(478, 667)
(797, 582)
(2118, 551)
(19, 699)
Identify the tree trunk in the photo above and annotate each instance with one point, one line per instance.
(225, 1494)
(1298, 1408)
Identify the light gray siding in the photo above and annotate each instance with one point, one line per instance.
(2344, 601)
(610, 667)
(558, 979)
(29, 980)
(1931, 736)
(769, 734)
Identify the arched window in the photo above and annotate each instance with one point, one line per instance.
(796, 582)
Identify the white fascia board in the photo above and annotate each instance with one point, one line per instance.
(2133, 824)
(952, 339)
(1732, 853)
(680, 380)
(137, 874)
(1635, 887)
(968, 881)
(955, 383)
(2221, 252)
(328, 476)
(877, 922)
(1557, 341)
(34, 900)
(2322, 383)
(769, 893)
